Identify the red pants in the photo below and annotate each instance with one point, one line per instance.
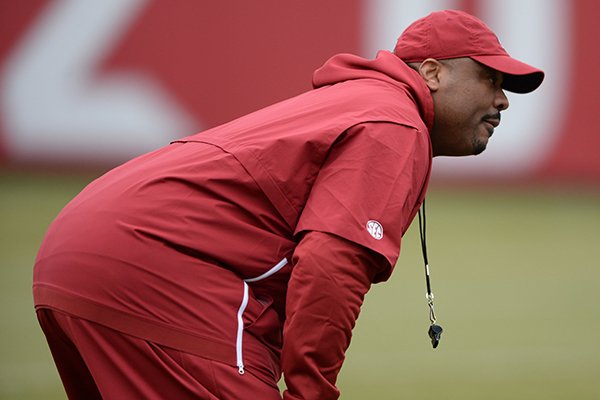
(96, 362)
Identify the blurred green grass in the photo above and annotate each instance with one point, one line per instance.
(515, 273)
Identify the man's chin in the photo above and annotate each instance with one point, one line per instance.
(478, 150)
(479, 146)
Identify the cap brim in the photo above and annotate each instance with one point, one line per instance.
(518, 76)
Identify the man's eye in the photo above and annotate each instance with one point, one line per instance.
(495, 81)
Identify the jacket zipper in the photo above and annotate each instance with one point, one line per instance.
(240, 313)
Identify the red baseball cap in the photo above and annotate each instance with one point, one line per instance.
(454, 34)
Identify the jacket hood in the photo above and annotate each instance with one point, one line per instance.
(386, 67)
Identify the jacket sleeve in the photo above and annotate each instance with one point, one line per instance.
(377, 172)
(329, 280)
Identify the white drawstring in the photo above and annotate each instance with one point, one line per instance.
(240, 331)
(270, 272)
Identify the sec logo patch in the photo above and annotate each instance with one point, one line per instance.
(375, 229)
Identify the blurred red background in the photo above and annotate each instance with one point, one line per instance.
(85, 83)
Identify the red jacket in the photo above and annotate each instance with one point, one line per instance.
(198, 245)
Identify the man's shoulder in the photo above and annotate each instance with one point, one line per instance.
(378, 100)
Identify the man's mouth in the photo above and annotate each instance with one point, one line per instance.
(491, 122)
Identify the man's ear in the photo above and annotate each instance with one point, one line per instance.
(430, 70)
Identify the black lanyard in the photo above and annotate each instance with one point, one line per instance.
(435, 331)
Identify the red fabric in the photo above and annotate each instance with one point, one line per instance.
(159, 247)
(329, 281)
(96, 362)
(147, 249)
(284, 146)
(376, 172)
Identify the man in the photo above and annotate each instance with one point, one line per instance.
(206, 268)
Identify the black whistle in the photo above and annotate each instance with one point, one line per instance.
(435, 333)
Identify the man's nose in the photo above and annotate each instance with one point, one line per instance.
(501, 101)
